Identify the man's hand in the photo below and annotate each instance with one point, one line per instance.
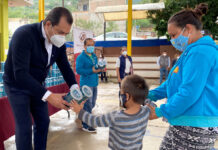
(56, 100)
(119, 80)
(96, 70)
(76, 107)
(152, 115)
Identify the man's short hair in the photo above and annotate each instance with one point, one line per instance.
(88, 39)
(136, 87)
(55, 15)
(122, 48)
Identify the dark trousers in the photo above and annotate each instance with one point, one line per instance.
(103, 75)
(23, 106)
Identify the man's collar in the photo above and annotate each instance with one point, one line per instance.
(43, 32)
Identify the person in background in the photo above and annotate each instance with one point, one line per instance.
(163, 62)
(176, 57)
(86, 67)
(126, 127)
(104, 71)
(191, 89)
(123, 65)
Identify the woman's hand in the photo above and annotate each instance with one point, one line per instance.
(152, 115)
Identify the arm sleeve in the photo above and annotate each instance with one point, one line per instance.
(65, 68)
(105, 120)
(169, 62)
(105, 62)
(47, 94)
(158, 93)
(80, 67)
(194, 80)
(117, 63)
(21, 55)
(158, 61)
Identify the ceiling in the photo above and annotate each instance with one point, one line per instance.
(116, 13)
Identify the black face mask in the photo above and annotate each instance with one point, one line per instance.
(123, 100)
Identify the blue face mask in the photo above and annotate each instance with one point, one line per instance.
(90, 49)
(181, 42)
(123, 100)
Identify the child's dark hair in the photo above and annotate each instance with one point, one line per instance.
(136, 87)
(189, 16)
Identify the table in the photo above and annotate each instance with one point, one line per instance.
(7, 124)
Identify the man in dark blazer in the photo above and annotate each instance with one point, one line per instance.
(33, 49)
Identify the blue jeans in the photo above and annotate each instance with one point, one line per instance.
(163, 71)
(90, 103)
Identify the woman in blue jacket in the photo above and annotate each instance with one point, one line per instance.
(192, 86)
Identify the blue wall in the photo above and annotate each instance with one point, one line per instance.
(135, 43)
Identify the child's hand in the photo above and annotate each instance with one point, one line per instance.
(76, 107)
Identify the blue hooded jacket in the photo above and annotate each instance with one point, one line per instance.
(191, 87)
(84, 65)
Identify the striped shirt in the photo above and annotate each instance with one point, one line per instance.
(126, 131)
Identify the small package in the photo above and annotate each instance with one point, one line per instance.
(78, 95)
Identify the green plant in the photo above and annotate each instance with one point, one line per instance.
(160, 17)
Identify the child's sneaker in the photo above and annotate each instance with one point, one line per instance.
(90, 130)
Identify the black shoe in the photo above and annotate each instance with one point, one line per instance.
(90, 130)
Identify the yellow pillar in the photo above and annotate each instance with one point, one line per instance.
(3, 29)
(129, 42)
(41, 10)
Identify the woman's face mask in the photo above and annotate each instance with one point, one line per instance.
(90, 49)
(57, 40)
(181, 42)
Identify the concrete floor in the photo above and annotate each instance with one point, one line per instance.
(65, 134)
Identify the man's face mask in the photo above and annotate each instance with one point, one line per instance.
(124, 53)
(90, 49)
(57, 40)
(123, 100)
(181, 42)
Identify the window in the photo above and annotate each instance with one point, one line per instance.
(85, 7)
(110, 35)
(121, 35)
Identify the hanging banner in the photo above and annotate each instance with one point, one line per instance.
(79, 36)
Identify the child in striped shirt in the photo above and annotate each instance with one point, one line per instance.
(126, 127)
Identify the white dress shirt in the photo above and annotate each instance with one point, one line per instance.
(48, 47)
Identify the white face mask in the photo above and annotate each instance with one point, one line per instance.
(57, 40)
(124, 53)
